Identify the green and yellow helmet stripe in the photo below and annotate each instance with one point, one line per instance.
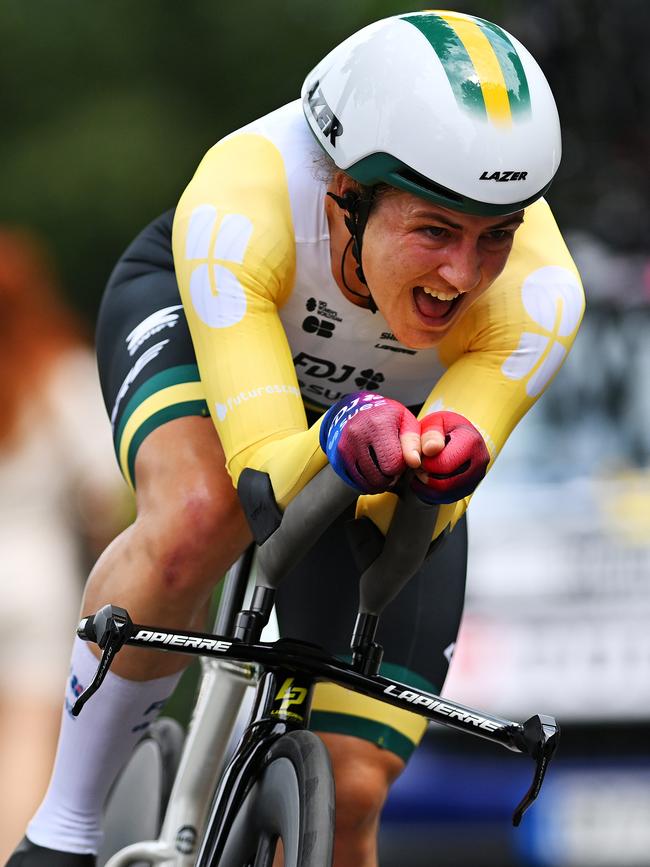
(513, 70)
(481, 63)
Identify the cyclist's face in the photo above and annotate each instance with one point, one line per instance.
(426, 264)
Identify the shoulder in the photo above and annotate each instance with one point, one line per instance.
(243, 172)
(248, 190)
(261, 166)
(539, 244)
(539, 290)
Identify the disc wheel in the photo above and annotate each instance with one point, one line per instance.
(136, 804)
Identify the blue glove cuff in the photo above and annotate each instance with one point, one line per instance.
(334, 420)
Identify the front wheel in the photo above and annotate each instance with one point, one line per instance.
(136, 804)
(292, 801)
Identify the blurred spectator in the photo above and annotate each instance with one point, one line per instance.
(58, 486)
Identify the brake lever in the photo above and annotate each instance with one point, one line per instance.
(540, 738)
(110, 628)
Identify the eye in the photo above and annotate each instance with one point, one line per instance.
(435, 231)
(498, 238)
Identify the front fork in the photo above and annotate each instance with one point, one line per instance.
(283, 703)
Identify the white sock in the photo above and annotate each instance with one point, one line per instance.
(93, 747)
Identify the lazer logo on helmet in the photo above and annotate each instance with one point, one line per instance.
(329, 123)
(504, 176)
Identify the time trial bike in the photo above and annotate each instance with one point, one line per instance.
(277, 785)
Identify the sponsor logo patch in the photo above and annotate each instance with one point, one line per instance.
(314, 305)
(388, 335)
(554, 302)
(369, 379)
(165, 318)
(322, 368)
(252, 393)
(217, 295)
(320, 327)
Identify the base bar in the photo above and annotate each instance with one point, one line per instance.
(311, 660)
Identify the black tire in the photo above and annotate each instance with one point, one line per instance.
(135, 807)
(293, 800)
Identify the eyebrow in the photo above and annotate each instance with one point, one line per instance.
(513, 219)
(516, 218)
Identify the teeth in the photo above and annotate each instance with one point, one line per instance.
(440, 295)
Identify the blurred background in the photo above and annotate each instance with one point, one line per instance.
(107, 110)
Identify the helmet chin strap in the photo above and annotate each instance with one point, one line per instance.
(357, 211)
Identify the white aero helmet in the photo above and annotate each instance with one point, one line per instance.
(444, 105)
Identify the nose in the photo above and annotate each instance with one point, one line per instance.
(462, 268)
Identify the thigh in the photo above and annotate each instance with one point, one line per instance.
(147, 364)
(318, 602)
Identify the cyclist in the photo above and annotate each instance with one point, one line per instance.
(380, 244)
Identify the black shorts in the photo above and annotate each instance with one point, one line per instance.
(147, 366)
(149, 376)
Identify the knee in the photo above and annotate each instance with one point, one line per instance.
(361, 792)
(194, 536)
(363, 774)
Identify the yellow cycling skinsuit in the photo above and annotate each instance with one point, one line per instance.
(273, 334)
(250, 240)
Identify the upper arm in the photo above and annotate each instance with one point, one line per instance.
(234, 254)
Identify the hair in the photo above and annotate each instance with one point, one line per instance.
(35, 325)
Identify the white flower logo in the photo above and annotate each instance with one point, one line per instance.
(553, 299)
(217, 295)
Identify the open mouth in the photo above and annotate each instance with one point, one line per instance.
(433, 310)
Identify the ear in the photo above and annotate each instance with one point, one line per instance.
(343, 184)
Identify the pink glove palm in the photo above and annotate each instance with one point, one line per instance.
(368, 439)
